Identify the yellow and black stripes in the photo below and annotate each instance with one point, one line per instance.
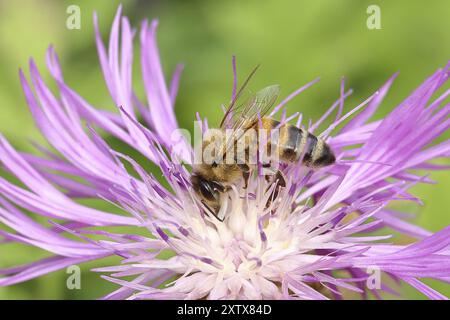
(294, 143)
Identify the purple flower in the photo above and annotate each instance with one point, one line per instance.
(311, 243)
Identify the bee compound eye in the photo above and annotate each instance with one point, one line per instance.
(208, 191)
(217, 187)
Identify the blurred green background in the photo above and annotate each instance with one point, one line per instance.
(295, 41)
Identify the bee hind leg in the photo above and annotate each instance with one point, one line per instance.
(280, 181)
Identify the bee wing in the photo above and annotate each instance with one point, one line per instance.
(234, 105)
(244, 116)
(255, 107)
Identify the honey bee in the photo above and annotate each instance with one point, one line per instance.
(211, 180)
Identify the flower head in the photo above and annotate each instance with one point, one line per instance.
(310, 240)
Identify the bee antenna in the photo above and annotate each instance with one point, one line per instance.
(238, 94)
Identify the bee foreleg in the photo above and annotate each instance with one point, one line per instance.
(246, 176)
(245, 173)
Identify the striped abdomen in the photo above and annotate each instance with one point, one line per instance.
(295, 143)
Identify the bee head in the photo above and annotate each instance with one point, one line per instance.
(208, 191)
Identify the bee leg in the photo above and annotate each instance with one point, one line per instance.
(246, 176)
(273, 175)
(279, 178)
(245, 173)
(268, 171)
(281, 183)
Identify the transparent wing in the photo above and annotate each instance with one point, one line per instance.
(244, 116)
(234, 105)
(256, 106)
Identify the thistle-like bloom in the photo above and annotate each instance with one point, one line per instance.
(314, 241)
